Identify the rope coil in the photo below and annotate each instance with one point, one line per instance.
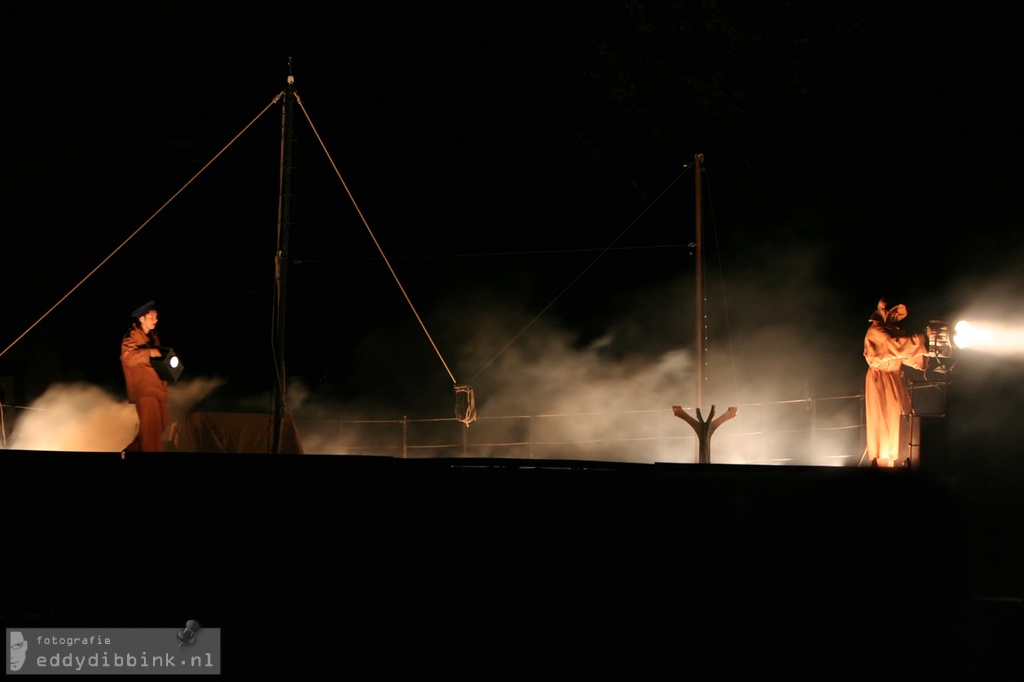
(465, 404)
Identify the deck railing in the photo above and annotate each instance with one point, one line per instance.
(808, 431)
(812, 431)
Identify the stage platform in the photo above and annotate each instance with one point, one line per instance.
(505, 568)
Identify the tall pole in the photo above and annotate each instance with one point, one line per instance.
(281, 258)
(703, 428)
(698, 164)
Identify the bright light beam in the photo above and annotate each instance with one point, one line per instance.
(990, 337)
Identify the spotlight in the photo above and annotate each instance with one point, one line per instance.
(967, 335)
(939, 345)
(168, 366)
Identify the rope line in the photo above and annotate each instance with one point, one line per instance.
(582, 272)
(419, 319)
(721, 283)
(489, 254)
(139, 228)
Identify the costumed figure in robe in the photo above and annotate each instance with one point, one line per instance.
(887, 348)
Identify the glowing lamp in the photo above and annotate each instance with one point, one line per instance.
(168, 366)
(968, 335)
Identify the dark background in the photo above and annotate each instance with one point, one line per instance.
(851, 153)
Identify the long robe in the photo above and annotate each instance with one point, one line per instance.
(886, 400)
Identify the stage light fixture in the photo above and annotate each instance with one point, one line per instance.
(168, 366)
(939, 345)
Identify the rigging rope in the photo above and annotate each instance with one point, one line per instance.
(139, 228)
(488, 254)
(582, 272)
(374, 238)
(465, 405)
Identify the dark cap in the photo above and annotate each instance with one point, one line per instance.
(143, 309)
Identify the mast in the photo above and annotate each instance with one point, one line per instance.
(698, 163)
(703, 428)
(281, 258)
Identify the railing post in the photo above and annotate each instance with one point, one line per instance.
(529, 434)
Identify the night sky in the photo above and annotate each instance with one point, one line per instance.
(495, 151)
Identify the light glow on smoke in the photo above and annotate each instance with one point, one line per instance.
(555, 394)
(82, 417)
(967, 335)
(990, 337)
(76, 418)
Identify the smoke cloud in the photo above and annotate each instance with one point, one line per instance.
(558, 392)
(777, 347)
(76, 418)
(995, 308)
(82, 417)
(987, 394)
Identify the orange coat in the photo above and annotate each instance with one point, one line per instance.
(139, 376)
(886, 349)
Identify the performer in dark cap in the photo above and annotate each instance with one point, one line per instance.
(145, 388)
